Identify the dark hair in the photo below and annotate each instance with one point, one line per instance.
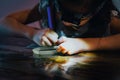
(90, 4)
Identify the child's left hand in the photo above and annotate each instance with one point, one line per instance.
(71, 45)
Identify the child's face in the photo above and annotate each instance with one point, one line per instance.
(74, 15)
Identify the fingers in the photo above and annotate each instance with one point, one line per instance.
(45, 41)
(49, 38)
(52, 36)
(63, 50)
(61, 39)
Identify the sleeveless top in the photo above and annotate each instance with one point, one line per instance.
(97, 26)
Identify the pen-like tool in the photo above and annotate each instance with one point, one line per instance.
(50, 22)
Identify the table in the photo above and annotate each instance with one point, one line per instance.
(17, 63)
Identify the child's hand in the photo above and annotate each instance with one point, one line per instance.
(71, 45)
(45, 37)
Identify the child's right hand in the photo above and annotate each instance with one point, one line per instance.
(45, 37)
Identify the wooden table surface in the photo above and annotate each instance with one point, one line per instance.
(17, 63)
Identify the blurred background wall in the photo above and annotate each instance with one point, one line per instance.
(9, 6)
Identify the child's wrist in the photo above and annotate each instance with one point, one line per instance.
(29, 33)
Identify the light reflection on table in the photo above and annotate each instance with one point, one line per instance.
(84, 66)
(17, 63)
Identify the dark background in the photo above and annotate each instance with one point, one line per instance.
(9, 6)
